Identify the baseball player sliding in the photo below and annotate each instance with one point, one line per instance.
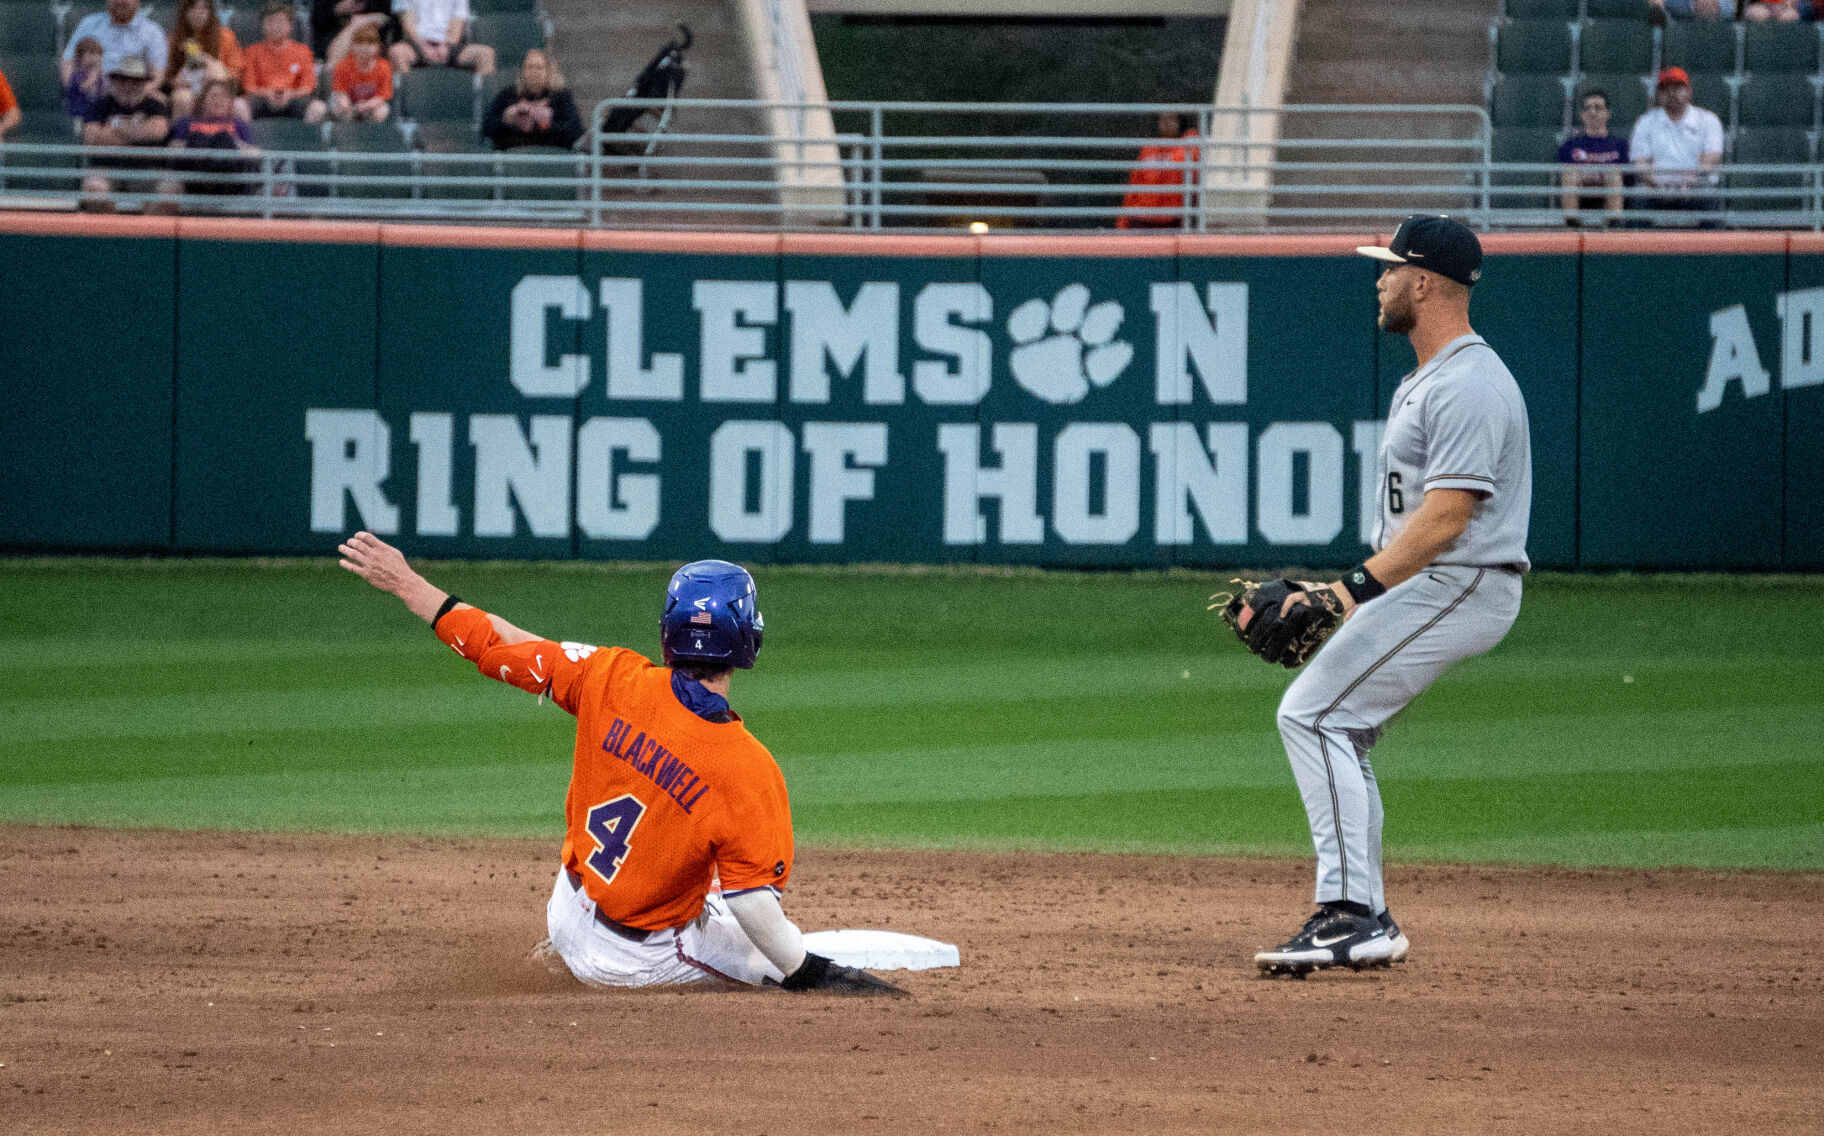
(1456, 484)
(678, 832)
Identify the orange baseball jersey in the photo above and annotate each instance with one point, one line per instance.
(661, 802)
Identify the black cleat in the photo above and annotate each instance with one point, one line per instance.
(1330, 938)
(1401, 944)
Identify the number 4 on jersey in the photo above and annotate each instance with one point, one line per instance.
(611, 823)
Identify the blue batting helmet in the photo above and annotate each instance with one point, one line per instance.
(712, 616)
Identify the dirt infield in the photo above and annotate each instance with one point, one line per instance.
(160, 982)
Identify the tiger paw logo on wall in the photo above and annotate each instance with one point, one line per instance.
(1081, 352)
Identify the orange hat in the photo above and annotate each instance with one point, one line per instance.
(1674, 75)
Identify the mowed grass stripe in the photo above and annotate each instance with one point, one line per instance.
(978, 709)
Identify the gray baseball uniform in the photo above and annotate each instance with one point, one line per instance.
(1458, 422)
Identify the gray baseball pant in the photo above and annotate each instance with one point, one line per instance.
(1377, 662)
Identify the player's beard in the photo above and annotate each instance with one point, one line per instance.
(1397, 314)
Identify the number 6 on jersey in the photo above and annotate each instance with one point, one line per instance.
(611, 823)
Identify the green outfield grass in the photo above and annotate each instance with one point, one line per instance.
(1642, 721)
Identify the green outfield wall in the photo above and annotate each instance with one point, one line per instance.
(204, 386)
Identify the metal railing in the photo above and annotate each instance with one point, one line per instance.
(896, 165)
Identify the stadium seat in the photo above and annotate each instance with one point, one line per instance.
(1780, 47)
(1565, 10)
(1627, 100)
(510, 34)
(434, 138)
(293, 135)
(1533, 47)
(46, 130)
(1770, 146)
(1712, 93)
(1701, 46)
(27, 29)
(1528, 100)
(437, 94)
(368, 138)
(1637, 10)
(35, 84)
(1524, 144)
(1777, 100)
(512, 170)
(1615, 45)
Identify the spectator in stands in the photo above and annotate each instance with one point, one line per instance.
(9, 107)
(1692, 9)
(363, 82)
(216, 127)
(202, 51)
(130, 114)
(122, 30)
(333, 24)
(1678, 147)
(86, 82)
(1167, 162)
(436, 33)
(280, 75)
(1780, 11)
(536, 110)
(1594, 158)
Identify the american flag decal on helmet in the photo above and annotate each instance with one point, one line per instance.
(701, 617)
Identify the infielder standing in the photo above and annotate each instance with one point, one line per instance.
(678, 831)
(1456, 481)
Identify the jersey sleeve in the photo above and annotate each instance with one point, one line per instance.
(754, 848)
(1464, 423)
(540, 666)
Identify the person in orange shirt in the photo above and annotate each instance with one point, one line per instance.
(202, 51)
(362, 82)
(279, 73)
(9, 106)
(1167, 163)
(678, 830)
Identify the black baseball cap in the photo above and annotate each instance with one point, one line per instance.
(1439, 244)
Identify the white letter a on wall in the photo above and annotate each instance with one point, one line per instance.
(1732, 359)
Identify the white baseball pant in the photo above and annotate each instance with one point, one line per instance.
(1377, 662)
(710, 947)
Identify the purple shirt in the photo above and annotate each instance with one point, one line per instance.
(1589, 150)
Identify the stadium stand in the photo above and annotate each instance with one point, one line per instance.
(27, 29)
(1781, 47)
(346, 138)
(1761, 79)
(511, 34)
(1615, 45)
(437, 94)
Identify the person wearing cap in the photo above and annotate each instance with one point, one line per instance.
(1453, 481)
(131, 113)
(122, 30)
(1677, 148)
(9, 106)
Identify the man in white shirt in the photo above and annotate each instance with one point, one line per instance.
(435, 33)
(1677, 148)
(122, 30)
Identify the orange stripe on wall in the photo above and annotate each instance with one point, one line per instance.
(86, 225)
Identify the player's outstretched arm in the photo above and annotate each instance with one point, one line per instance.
(765, 924)
(384, 566)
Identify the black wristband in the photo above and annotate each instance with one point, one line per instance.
(1361, 584)
(449, 603)
(810, 973)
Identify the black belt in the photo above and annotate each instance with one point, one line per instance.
(631, 934)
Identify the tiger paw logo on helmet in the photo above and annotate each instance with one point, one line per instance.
(1081, 352)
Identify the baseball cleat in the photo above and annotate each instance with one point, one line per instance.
(1330, 938)
(1401, 944)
